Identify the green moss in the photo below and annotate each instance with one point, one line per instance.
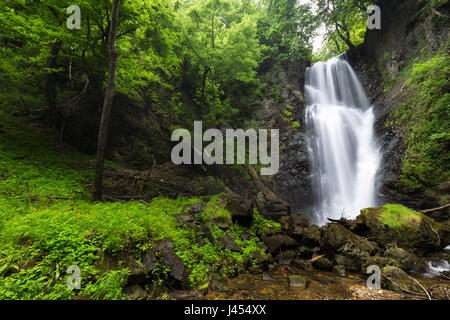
(397, 216)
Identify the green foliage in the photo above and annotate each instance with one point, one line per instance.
(345, 22)
(425, 117)
(47, 223)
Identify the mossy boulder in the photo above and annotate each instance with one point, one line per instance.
(395, 279)
(350, 251)
(397, 224)
(339, 239)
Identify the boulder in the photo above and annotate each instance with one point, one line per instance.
(298, 281)
(195, 208)
(404, 259)
(227, 242)
(241, 210)
(339, 270)
(285, 257)
(396, 224)
(149, 261)
(134, 292)
(170, 259)
(350, 250)
(300, 229)
(395, 279)
(207, 233)
(138, 274)
(323, 263)
(278, 241)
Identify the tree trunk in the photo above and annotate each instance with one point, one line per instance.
(107, 103)
(50, 83)
(204, 79)
(345, 38)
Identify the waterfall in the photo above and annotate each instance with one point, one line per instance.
(341, 143)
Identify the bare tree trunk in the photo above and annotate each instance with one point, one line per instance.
(107, 104)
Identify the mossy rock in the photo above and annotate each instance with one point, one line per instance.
(395, 279)
(342, 240)
(397, 224)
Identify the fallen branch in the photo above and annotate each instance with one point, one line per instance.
(316, 258)
(435, 209)
(429, 297)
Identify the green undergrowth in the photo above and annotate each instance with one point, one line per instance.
(48, 223)
(424, 119)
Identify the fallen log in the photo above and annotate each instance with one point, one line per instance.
(435, 209)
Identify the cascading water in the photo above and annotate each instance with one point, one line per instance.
(342, 148)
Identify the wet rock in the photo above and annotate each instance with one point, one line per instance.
(207, 233)
(270, 207)
(285, 257)
(164, 244)
(278, 241)
(339, 270)
(300, 229)
(227, 242)
(410, 229)
(297, 223)
(195, 208)
(395, 279)
(352, 250)
(241, 211)
(285, 222)
(185, 218)
(138, 274)
(444, 234)
(259, 258)
(135, 292)
(170, 259)
(349, 263)
(306, 252)
(380, 262)
(218, 286)
(149, 261)
(301, 264)
(254, 270)
(298, 281)
(323, 264)
(404, 259)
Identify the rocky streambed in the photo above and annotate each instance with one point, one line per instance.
(330, 262)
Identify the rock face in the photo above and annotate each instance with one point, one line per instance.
(405, 35)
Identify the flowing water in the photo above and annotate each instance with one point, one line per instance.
(342, 147)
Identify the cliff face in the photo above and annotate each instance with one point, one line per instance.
(411, 34)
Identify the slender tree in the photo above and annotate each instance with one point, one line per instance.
(107, 103)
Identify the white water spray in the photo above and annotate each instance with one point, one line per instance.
(342, 148)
